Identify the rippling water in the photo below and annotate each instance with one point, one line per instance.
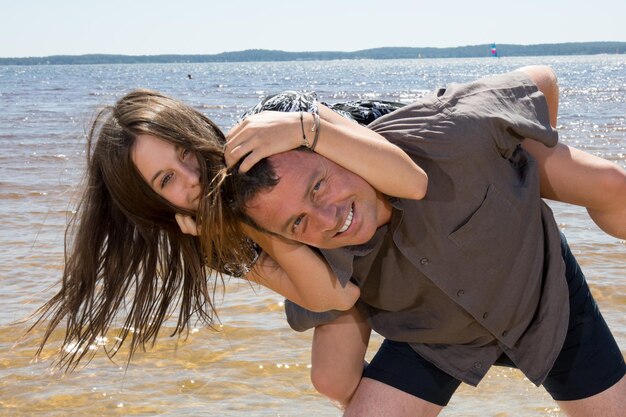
(254, 365)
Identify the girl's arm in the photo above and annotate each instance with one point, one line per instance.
(358, 149)
(299, 274)
(292, 270)
(382, 164)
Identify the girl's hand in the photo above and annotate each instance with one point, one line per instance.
(187, 224)
(265, 134)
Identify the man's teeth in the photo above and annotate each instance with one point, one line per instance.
(348, 221)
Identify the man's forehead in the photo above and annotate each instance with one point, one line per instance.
(293, 165)
(295, 171)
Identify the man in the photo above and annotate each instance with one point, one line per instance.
(473, 274)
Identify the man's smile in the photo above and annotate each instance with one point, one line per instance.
(348, 222)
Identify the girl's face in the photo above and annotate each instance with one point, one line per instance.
(171, 171)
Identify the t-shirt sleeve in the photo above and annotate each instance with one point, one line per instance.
(300, 319)
(508, 106)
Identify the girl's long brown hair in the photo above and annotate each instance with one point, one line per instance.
(124, 252)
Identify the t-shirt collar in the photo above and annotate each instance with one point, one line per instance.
(341, 259)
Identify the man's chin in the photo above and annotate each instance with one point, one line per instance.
(363, 237)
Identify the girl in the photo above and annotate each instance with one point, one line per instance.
(158, 224)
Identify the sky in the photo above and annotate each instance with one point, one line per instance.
(152, 27)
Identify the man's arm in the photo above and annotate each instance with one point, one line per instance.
(573, 176)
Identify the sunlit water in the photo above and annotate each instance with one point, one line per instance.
(254, 365)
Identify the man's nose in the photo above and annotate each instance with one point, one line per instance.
(326, 218)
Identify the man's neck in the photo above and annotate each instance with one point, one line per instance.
(384, 210)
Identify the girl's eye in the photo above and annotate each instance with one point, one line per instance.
(166, 179)
(185, 153)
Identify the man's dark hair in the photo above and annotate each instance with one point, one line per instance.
(240, 188)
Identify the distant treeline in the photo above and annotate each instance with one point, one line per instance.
(472, 51)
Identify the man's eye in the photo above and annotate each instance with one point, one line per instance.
(317, 185)
(297, 222)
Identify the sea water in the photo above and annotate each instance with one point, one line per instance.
(251, 363)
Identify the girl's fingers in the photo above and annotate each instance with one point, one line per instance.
(236, 128)
(257, 152)
(230, 155)
(187, 224)
(181, 223)
(252, 150)
(260, 136)
(238, 146)
(234, 154)
(249, 162)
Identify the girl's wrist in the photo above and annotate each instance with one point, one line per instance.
(309, 129)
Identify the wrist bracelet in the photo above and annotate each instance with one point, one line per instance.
(316, 117)
(305, 142)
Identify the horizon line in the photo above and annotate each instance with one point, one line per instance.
(302, 52)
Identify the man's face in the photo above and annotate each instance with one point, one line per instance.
(319, 203)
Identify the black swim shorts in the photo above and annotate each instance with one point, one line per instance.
(589, 363)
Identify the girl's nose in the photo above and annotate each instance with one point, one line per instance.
(191, 174)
